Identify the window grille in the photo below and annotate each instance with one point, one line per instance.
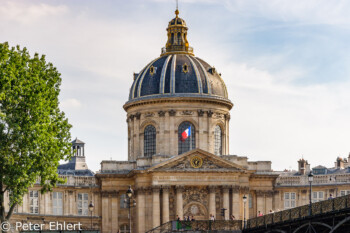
(149, 141)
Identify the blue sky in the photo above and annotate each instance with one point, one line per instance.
(285, 63)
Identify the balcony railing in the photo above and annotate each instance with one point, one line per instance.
(177, 48)
(198, 225)
(78, 180)
(321, 207)
(318, 180)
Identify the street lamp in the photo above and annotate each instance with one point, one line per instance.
(91, 208)
(244, 203)
(129, 201)
(311, 178)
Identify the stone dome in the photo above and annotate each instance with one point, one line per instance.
(178, 75)
(177, 72)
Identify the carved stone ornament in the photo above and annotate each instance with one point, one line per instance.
(219, 116)
(172, 112)
(200, 113)
(195, 194)
(210, 113)
(184, 164)
(227, 117)
(131, 117)
(149, 114)
(161, 113)
(187, 112)
(138, 115)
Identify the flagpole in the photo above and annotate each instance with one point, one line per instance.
(190, 138)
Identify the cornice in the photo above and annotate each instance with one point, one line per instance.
(200, 99)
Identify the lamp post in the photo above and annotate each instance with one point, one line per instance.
(91, 208)
(129, 201)
(311, 178)
(244, 203)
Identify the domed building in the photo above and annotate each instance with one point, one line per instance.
(178, 115)
(174, 92)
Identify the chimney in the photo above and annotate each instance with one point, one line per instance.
(303, 166)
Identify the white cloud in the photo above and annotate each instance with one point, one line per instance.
(306, 12)
(26, 12)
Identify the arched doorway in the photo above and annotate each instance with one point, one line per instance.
(197, 210)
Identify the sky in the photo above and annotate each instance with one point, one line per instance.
(285, 64)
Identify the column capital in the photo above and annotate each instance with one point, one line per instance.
(179, 188)
(172, 112)
(212, 188)
(166, 188)
(260, 193)
(226, 188)
(140, 190)
(235, 188)
(114, 194)
(245, 189)
(155, 189)
(269, 193)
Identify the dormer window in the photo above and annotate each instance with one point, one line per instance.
(152, 70)
(185, 68)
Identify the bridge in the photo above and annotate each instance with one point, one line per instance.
(330, 216)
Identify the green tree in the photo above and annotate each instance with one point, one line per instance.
(34, 133)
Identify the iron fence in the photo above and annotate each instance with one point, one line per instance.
(317, 208)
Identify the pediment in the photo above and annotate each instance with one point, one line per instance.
(197, 160)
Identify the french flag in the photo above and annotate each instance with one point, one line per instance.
(185, 134)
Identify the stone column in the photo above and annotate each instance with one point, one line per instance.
(105, 213)
(236, 210)
(165, 204)
(210, 132)
(227, 134)
(25, 204)
(260, 203)
(268, 201)
(156, 207)
(141, 217)
(132, 140)
(172, 133)
(179, 202)
(115, 207)
(41, 203)
(137, 135)
(226, 201)
(212, 207)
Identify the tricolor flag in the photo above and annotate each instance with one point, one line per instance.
(185, 134)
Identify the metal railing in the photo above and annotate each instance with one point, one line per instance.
(177, 48)
(317, 208)
(198, 225)
(78, 180)
(318, 180)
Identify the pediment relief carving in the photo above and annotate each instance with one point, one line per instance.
(189, 164)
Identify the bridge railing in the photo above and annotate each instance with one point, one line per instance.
(321, 207)
(198, 225)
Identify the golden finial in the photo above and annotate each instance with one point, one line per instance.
(177, 8)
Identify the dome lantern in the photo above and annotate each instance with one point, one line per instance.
(177, 37)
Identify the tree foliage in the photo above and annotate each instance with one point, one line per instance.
(34, 133)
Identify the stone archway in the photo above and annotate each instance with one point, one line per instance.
(197, 210)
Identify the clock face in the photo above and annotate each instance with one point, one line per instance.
(196, 162)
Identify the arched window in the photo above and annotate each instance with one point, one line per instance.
(187, 137)
(217, 140)
(149, 141)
